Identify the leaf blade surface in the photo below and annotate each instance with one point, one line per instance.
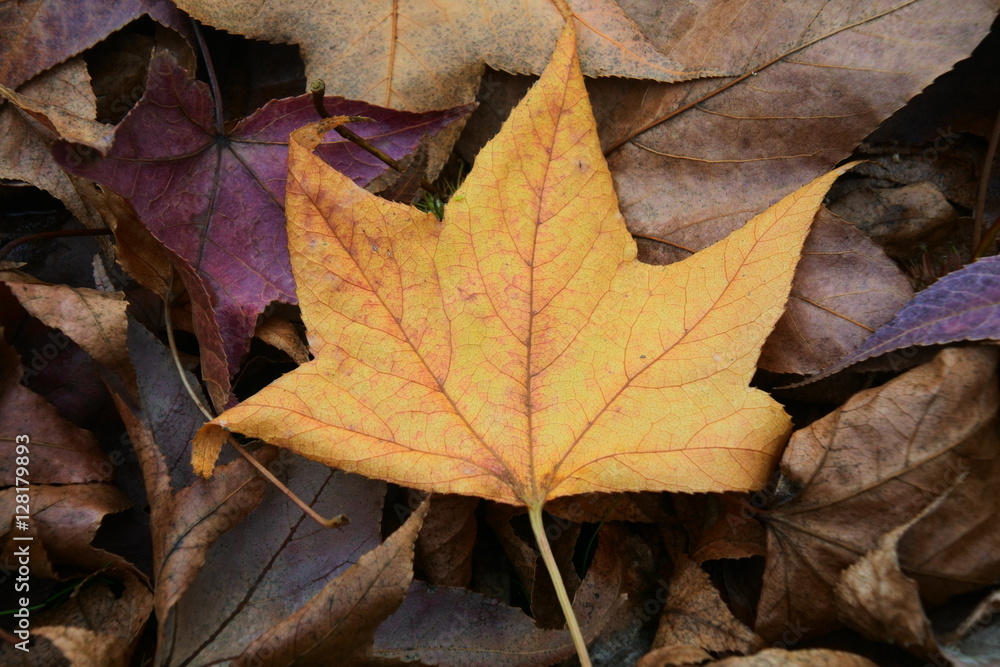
(518, 351)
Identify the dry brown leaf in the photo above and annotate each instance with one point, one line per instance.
(674, 655)
(510, 525)
(233, 559)
(63, 98)
(695, 615)
(187, 514)
(453, 626)
(96, 627)
(950, 162)
(338, 625)
(844, 289)
(636, 506)
(721, 525)
(429, 55)
(136, 250)
(279, 333)
(874, 597)
(444, 547)
(776, 657)
(692, 160)
(92, 319)
(899, 219)
(66, 519)
(60, 452)
(874, 464)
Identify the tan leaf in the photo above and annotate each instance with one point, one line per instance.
(844, 289)
(874, 597)
(695, 615)
(444, 547)
(874, 464)
(59, 452)
(279, 333)
(62, 98)
(425, 55)
(92, 319)
(338, 625)
(815, 78)
(776, 657)
(97, 628)
(67, 519)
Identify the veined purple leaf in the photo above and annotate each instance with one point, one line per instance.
(964, 305)
(216, 199)
(39, 34)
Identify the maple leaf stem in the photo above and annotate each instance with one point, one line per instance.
(318, 90)
(538, 528)
(339, 520)
(212, 79)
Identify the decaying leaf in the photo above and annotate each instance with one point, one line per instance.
(39, 34)
(233, 557)
(66, 519)
(844, 288)
(444, 547)
(97, 626)
(64, 93)
(964, 305)
(429, 55)
(695, 615)
(94, 320)
(693, 160)
(187, 514)
(877, 599)
(61, 453)
(875, 463)
(519, 351)
(338, 625)
(528, 564)
(778, 657)
(446, 626)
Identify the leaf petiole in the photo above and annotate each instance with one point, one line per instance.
(333, 522)
(538, 528)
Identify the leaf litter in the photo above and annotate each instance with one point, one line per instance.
(879, 515)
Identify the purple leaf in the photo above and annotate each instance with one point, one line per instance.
(215, 200)
(964, 305)
(39, 34)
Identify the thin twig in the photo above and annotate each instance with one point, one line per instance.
(984, 182)
(339, 520)
(220, 126)
(318, 90)
(51, 235)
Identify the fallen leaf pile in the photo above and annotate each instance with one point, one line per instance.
(621, 332)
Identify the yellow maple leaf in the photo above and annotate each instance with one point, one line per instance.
(518, 351)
